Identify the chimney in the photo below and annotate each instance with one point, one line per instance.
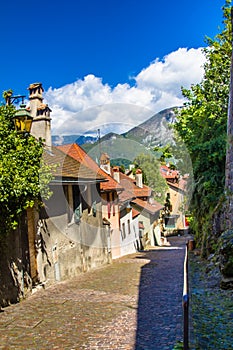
(116, 174)
(105, 163)
(41, 125)
(139, 178)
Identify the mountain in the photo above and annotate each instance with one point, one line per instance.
(124, 148)
(155, 131)
(66, 139)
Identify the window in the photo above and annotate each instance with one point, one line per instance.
(108, 205)
(74, 203)
(129, 228)
(123, 231)
(141, 229)
(69, 198)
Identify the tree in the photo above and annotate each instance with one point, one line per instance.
(202, 125)
(23, 175)
(151, 175)
(165, 153)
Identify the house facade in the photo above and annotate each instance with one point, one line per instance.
(177, 193)
(148, 209)
(109, 191)
(139, 213)
(67, 235)
(70, 236)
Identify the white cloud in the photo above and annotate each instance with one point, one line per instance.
(89, 104)
(80, 95)
(180, 68)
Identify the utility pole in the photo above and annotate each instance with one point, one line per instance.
(99, 145)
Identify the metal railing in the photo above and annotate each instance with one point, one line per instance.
(185, 302)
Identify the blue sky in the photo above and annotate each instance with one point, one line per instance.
(90, 53)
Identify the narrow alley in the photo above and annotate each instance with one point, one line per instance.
(133, 304)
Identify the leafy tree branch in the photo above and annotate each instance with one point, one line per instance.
(23, 175)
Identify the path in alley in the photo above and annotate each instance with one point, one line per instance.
(133, 304)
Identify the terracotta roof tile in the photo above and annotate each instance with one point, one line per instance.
(77, 153)
(125, 196)
(66, 166)
(181, 184)
(151, 208)
(167, 173)
(135, 213)
(142, 192)
(129, 184)
(173, 178)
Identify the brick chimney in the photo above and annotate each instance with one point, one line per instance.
(138, 178)
(105, 163)
(41, 125)
(116, 173)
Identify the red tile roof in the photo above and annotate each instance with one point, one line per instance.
(129, 184)
(142, 192)
(125, 196)
(181, 184)
(65, 166)
(135, 213)
(77, 153)
(167, 173)
(173, 178)
(151, 208)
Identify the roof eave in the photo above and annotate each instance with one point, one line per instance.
(75, 181)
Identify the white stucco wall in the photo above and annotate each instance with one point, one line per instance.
(129, 240)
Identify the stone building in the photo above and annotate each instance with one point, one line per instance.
(41, 126)
(68, 234)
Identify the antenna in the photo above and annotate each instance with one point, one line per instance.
(99, 144)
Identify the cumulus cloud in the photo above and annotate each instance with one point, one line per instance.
(88, 104)
(180, 68)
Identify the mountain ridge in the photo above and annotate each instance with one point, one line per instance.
(153, 132)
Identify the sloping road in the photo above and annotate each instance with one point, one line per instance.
(133, 304)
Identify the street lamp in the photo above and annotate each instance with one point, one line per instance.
(22, 120)
(22, 117)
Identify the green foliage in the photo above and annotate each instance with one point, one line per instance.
(23, 177)
(151, 175)
(202, 123)
(166, 152)
(121, 162)
(6, 95)
(179, 346)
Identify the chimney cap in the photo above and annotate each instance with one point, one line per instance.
(35, 85)
(104, 158)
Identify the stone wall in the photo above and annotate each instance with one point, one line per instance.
(50, 248)
(15, 281)
(63, 255)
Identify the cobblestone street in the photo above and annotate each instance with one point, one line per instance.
(133, 304)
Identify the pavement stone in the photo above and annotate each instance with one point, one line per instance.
(133, 304)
